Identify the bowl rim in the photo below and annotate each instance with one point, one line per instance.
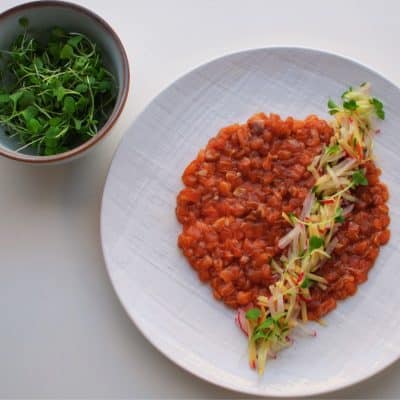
(121, 98)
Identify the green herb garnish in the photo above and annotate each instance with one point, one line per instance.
(253, 314)
(378, 106)
(315, 243)
(339, 217)
(306, 283)
(54, 95)
(350, 89)
(358, 178)
(332, 149)
(332, 106)
(350, 105)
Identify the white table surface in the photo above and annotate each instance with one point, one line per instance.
(63, 332)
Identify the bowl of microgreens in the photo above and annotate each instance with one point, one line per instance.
(64, 80)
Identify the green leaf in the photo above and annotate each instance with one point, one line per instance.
(91, 80)
(69, 105)
(54, 49)
(66, 52)
(81, 88)
(24, 22)
(378, 106)
(75, 40)
(104, 86)
(350, 105)
(50, 150)
(332, 107)
(55, 121)
(52, 132)
(82, 103)
(261, 335)
(27, 98)
(358, 178)
(33, 125)
(253, 314)
(350, 89)
(332, 104)
(265, 324)
(57, 32)
(51, 136)
(4, 98)
(29, 113)
(38, 62)
(315, 242)
(334, 149)
(306, 283)
(59, 92)
(16, 96)
(339, 217)
(80, 63)
(78, 124)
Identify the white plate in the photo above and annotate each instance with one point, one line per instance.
(139, 230)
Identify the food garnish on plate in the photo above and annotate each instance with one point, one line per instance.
(285, 217)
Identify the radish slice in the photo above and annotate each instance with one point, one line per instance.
(331, 246)
(343, 166)
(288, 238)
(241, 321)
(307, 205)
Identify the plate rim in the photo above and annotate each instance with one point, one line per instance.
(178, 362)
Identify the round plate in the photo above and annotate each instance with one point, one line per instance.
(139, 230)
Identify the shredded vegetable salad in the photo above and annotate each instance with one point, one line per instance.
(338, 170)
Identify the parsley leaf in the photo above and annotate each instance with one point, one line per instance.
(266, 324)
(332, 106)
(306, 283)
(315, 243)
(339, 217)
(358, 178)
(378, 106)
(332, 149)
(253, 314)
(350, 89)
(350, 105)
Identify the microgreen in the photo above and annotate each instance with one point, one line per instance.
(339, 217)
(358, 178)
(378, 106)
(315, 243)
(253, 314)
(350, 89)
(350, 105)
(332, 106)
(332, 149)
(55, 95)
(306, 283)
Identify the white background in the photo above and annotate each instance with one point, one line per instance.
(63, 332)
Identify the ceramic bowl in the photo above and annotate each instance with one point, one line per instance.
(44, 15)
